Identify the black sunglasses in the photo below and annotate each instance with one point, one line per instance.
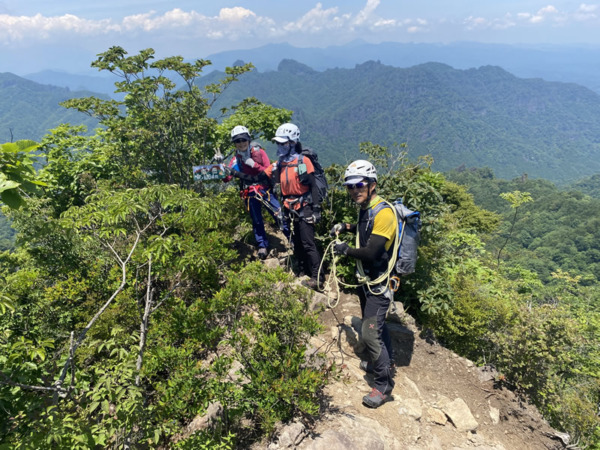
(237, 141)
(358, 185)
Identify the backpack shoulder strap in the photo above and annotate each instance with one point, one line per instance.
(374, 211)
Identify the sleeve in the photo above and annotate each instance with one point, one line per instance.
(262, 177)
(385, 224)
(263, 160)
(232, 163)
(372, 252)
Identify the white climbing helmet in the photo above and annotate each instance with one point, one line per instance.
(240, 132)
(287, 132)
(358, 171)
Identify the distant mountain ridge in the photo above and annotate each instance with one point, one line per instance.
(483, 117)
(476, 117)
(28, 109)
(99, 83)
(569, 64)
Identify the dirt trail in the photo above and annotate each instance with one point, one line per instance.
(440, 400)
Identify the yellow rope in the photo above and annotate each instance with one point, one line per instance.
(362, 278)
(333, 278)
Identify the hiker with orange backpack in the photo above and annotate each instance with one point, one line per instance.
(377, 230)
(251, 159)
(295, 174)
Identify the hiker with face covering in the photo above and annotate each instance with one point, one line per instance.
(252, 160)
(295, 174)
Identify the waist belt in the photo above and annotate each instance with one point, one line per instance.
(252, 190)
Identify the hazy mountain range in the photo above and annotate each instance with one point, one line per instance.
(478, 117)
(28, 109)
(574, 64)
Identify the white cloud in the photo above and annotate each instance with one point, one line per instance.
(543, 14)
(240, 24)
(385, 23)
(17, 28)
(231, 23)
(365, 14)
(547, 15)
(586, 12)
(476, 22)
(315, 21)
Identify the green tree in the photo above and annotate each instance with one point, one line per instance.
(17, 175)
(118, 323)
(159, 130)
(516, 199)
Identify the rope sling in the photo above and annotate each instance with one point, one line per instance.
(387, 280)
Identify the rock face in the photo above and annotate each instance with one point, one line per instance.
(440, 401)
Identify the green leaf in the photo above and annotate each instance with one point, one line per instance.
(12, 199)
(93, 406)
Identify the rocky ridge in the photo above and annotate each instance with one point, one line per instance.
(440, 401)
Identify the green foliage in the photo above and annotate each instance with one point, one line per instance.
(516, 199)
(17, 176)
(542, 338)
(7, 233)
(124, 311)
(165, 130)
(556, 231)
(588, 185)
(270, 345)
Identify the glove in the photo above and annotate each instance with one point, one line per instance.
(307, 211)
(337, 229)
(250, 162)
(341, 249)
(316, 214)
(227, 170)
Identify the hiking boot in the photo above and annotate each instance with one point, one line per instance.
(375, 399)
(262, 253)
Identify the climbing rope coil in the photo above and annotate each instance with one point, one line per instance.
(387, 279)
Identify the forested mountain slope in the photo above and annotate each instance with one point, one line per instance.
(588, 185)
(28, 109)
(477, 117)
(557, 230)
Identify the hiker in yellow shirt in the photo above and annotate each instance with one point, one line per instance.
(377, 231)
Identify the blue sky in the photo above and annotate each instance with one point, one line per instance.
(67, 34)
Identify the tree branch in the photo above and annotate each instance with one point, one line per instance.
(59, 383)
(7, 380)
(144, 323)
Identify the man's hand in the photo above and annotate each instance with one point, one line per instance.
(230, 171)
(317, 214)
(341, 249)
(307, 212)
(250, 162)
(337, 229)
